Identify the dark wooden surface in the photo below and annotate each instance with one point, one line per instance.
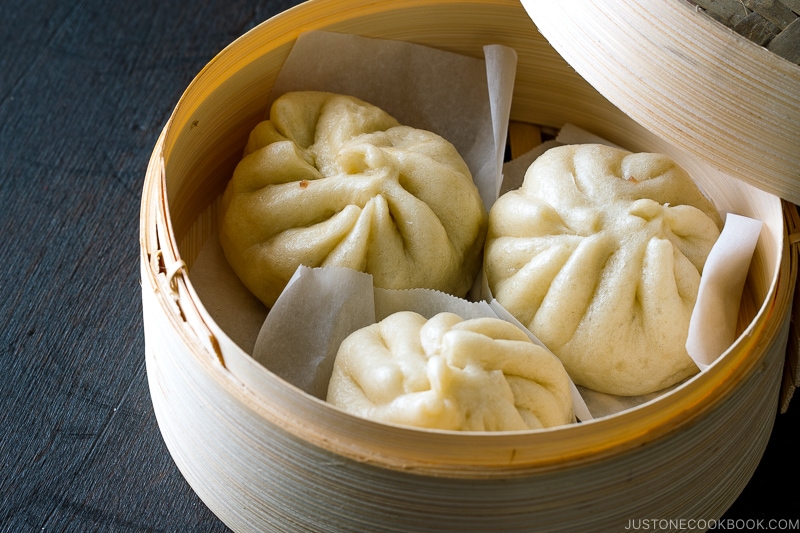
(85, 88)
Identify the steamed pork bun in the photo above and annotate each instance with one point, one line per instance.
(330, 180)
(448, 373)
(599, 254)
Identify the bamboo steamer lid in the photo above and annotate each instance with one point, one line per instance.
(264, 456)
(689, 79)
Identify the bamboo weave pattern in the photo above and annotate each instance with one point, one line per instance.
(773, 24)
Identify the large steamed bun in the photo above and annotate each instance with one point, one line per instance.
(599, 254)
(332, 180)
(449, 373)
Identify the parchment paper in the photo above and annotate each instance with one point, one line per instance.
(712, 328)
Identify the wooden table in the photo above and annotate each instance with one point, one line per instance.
(85, 88)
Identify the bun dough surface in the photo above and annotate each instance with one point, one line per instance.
(448, 373)
(332, 180)
(599, 254)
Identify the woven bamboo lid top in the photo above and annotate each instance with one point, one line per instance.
(689, 79)
(773, 24)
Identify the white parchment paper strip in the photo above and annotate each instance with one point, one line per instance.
(319, 308)
(712, 328)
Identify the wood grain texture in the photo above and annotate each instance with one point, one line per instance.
(86, 87)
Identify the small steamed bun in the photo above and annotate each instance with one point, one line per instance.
(449, 373)
(330, 180)
(599, 254)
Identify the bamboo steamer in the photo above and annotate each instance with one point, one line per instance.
(264, 456)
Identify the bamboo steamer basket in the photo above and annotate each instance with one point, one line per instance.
(264, 456)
